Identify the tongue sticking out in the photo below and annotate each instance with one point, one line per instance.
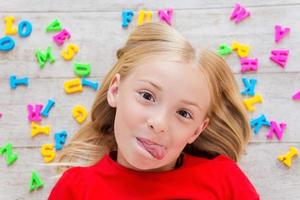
(155, 150)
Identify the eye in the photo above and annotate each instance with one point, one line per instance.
(185, 114)
(146, 95)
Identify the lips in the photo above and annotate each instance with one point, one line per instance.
(156, 150)
(146, 141)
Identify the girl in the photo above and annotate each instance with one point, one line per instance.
(166, 124)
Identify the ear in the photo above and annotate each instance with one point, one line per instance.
(112, 91)
(198, 131)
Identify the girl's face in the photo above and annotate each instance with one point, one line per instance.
(160, 107)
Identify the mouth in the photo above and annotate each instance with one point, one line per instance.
(146, 141)
(156, 150)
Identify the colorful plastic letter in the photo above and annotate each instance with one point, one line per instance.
(35, 182)
(296, 96)
(93, 85)
(79, 113)
(249, 64)
(24, 25)
(69, 52)
(287, 158)
(127, 16)
(60, 37)
(48, 152)
(34, 115)
(14, 82)
(239, 13)
(7, 151)
(42, 58)
(224, 49)
(280, 57)
(36, 129)
(141, 17)
(252, 100)
(72, 86)
(55, 25)
(9, 29)
(257, 123)
(50, 104)
(166, 16)
(280, 33)
(60, 139)
(275, 129)
(249, 86)
(82, 69)
(242, 49)
(6, 43)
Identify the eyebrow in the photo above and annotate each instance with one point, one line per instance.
(151, 83)
(159, 88)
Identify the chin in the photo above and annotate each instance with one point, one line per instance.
(142, 161)
(148, 166)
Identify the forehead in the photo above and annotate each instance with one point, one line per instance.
(181, 80)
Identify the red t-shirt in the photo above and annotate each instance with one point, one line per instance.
(196, 178)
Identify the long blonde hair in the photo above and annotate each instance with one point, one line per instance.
(228, 131)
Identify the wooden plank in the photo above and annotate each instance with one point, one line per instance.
(277, 91)
(117, 5)
(204, 28)
(96, 28)
(15, 126)
(271, 178)
(15, 179)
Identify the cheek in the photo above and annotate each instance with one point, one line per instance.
(181, 135)
(129, 111)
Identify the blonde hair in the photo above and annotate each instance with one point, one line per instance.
(228, 131)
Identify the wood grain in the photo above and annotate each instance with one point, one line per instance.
(96, 28)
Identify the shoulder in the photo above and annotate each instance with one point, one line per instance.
(215, 168)
(219, 164)
(216, 161)
(72, 174)
(79, 172)
(229, 168)
(236, 182)
(225, 163)
(68, 186)
(226, 173)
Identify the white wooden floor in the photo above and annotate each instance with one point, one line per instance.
(95, 27)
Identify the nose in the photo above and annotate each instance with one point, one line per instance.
(158, 122)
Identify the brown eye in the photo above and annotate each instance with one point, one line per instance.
(146, 95)
(185, 114)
